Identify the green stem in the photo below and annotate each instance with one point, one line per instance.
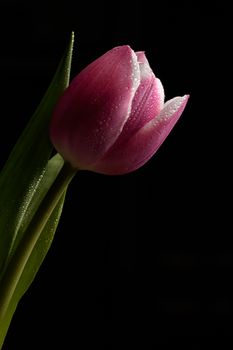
(17, 264)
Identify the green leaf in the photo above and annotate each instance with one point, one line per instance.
(25, 168)
(42, 244)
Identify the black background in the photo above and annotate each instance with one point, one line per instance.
(145, 257)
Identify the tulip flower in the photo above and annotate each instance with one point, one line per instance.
(112, 118)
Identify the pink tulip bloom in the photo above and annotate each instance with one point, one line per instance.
(112, 117)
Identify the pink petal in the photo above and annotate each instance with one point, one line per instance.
(142, 57)
(145, 142)
(149, 98)
(92, 112)
(147, 103)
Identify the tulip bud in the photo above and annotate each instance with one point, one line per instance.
(112, 117)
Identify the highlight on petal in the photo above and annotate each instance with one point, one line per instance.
(141, 57)
(145, 74)
(150, 91)
(97, 104)
(141, 147)
(147, 103)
